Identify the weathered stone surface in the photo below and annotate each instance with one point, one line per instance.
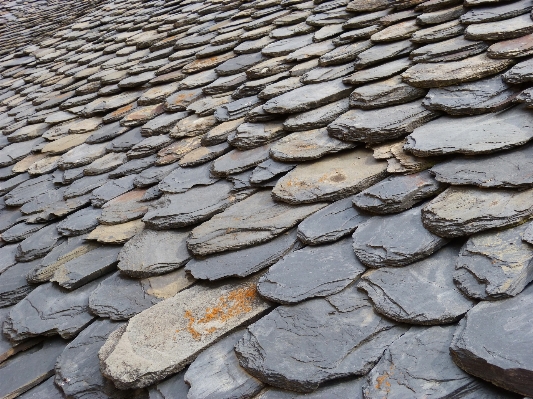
(307, 97)
(16, 151)
(499, 30)
(173, 387)
(373, 126)
(106, 104)
(182, 99)
(495, 13)
(23, 372)
(346, 388)
(384, 93)
(520, 73)
(297, 357)
(252, 221)
(419, 364)
(251, 135)
(79, 222)
(460, 211)
(479, 97)
(14, 286)
(324, 74)
(220, 132)
(203, 154)
(400, 31)
(192, 125)
(120, 297)
(180, 180)
(383, 52)
(177, 150)
(46, 389)
(185, 325)
(50, 310)
(216, 373)
(512, 48)
(238, 161)
(153, 175)
(398, 193)
(77, 368)
(453, 49)
(133, 166)
(191, 207)
(433, 297)
(311, 272)
(124, 208)
(20, 232)
(495, 265)
(287, 46)
(243, 262)
(153, 252)
(112, 189)
(116, 234)
(472, 135)
(451, 73)
(500, 359)
(87, 267)
(38, 244)
(316, 118)
(269, 170)
(106, 132)
(330, 178)
(304, 146)
(377, 244)
(105, 164)
(236, 109)
(506, 169)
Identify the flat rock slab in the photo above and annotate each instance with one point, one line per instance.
(512, 48)
(307, 145)
(479, 97)
(500, 359)
(287, 349)
(331, 223)
(13, 284)
(346, 388)
(453, 49)
(382, 71)
(316, 118)
(311, 272)
(330, 178)
(193, 206)
(245, 261)
(495, 264)
(163, 339)
(461, 211)
(418, 364)
(46, 389)
(269, 170)
(519, 73)
(384, 93)
(216, 373)
(398, 193)
(377, 243)
(120, 297)
(307, 97)
(473, 134)
(173, 387)
(374, 126)
(31, 367)
(38, 244)
(252, 221)
(116, 234)
(124, 208)
(152, 252)
(50, 310)
(78, 368)
(455, 72)
(180, 180)
(111, 189)
(237, 161)
(500, 30)
(432, 295)
(505, 169)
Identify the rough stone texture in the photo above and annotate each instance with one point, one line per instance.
(507, 29)
(505, 169)
(418, 364)
(398, 193)
(50, 310)
(252, 221)
(433, 297)
(330, 178)
(180, 180)
(377, 244)
(173, 387)
(23, 372)
(185, 324)
(151, 253)
(13, 284)
(374, 126)
(216, 373)
(451, 73)
(269, 170)
(499, 359)
(512, 48)
(237, 161)
(116, 234)
(192, 207)
(384, 93)
(453, 49)
(472, 135)
(120, 297)
(297, 357)
(311, 272)
(460, 211)
(495, 265)
(46, 389)
(316, 118)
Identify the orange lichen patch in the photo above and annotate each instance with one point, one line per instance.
(231, 305)
(383, 381)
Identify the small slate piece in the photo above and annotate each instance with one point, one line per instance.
(500, 30)
(384, 93)
(311, 272)
(180, 180)
(316, 118)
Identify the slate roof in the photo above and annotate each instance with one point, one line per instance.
(266, 199)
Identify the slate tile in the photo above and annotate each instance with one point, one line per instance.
(38, 244)
(46, 389)
(116, 234)
(453, 49)
(519, 47)
(507, 29)
(80, 222)
(383, 52)
(275, 89)
(14, 287)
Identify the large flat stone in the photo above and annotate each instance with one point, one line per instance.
(120, 297)
(453, 49)
(331, 178)
(500, 30)
(287, 349)
(252, 221)
(46, 389)
(180, 180)
(216, 373)
(124, 208)
(374, 126)
(495, 264)
(497, 358)
(181, 326)
(377, 243)
(398, 193)
(316, 118)
(473, 134)
(461, 211)
(151, 252)
(421, 293)
(237, 161)
(384, 93)
(13, 284)
(311, 272)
